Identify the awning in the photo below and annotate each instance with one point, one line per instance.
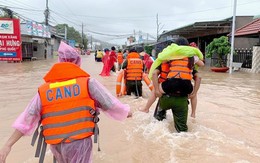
(199, 29)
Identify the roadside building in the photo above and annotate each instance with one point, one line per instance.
(39, 41)
(202, 33)
(35, 38)
(249, 57)
(54, 43)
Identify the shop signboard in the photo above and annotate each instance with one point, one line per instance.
(72, 43)
(10, 40)
(37, 29)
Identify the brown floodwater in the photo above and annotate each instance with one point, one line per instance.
(226, 128)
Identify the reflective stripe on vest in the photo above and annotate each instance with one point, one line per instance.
(134, 70)
(67, 111)
(179, 69)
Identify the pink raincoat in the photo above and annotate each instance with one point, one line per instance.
(80, 150)
(106, 67)
(148, 61)
(112, 59)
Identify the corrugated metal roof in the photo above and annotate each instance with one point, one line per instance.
(203, 24)
(249, 29)
(199, 29)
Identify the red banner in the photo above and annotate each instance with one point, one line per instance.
(10, 40)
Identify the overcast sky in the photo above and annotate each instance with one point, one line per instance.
(114, 20)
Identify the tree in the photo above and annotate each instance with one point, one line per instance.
(219, 47)
(148, 49)
(6, 13)
(72, 34)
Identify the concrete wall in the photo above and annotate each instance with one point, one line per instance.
(243, 20)
(49, 51)
(244, 42)
(38, 50)
(55, 43)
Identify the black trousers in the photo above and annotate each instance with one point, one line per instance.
(134, 86)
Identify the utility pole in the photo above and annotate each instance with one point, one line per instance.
(140, 39)
(232, 37)
(47, 13)
(82, 35)
(134, 36)
(65, 33)
(91, 41)
(157, 27)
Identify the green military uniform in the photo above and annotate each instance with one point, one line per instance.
(179, 107)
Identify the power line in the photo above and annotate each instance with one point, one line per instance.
(54, 19)
(47, 13)
(199, 11)
(25, 9)
(64, 2)
(105, 34)
(14, 3)
(145, 17)
(21, 16)
(65, 18)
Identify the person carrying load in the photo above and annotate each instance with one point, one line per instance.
(174, 91)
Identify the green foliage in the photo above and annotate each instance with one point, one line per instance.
(219, 47)
(7, 13)
(148, 49)
(72, 34)
(4, 16)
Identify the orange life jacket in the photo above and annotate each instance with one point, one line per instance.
(120, 58)
(179, 69)
(67, 108)
(133, 55)
(134, 69)
(165, 68)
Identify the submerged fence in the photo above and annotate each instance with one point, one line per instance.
(243, 56)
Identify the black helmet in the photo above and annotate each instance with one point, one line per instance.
(182, 41)
(132, 50)
(139, 49)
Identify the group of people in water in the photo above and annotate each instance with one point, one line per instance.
(64, 112)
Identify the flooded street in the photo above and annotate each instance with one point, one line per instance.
(226, 128)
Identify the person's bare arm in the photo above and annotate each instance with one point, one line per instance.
(155, 75)
(197, 82)
(8, 145)
(200, 63)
